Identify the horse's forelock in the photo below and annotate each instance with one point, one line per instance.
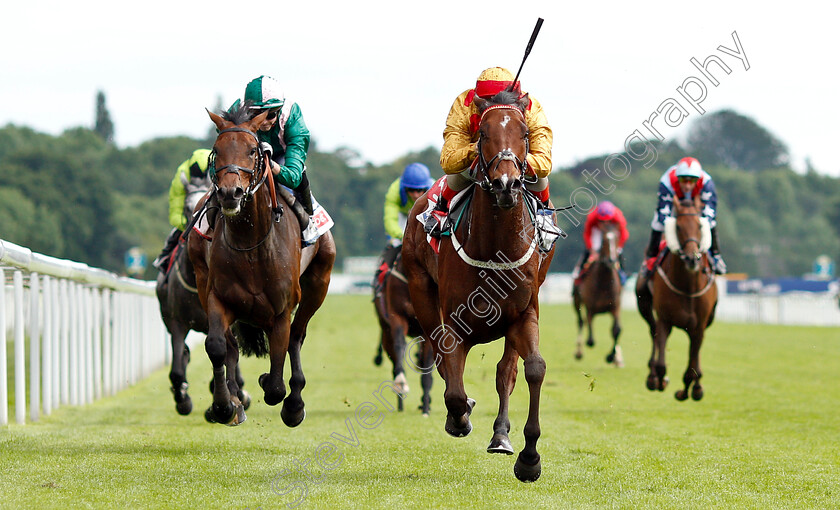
(503, 97)
(241, 114)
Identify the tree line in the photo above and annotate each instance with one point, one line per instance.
(77, 196)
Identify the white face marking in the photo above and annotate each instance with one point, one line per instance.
(504, 181)
(505, 120)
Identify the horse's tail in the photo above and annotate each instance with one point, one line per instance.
(252, 340)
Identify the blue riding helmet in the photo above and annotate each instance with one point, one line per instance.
(415, 176)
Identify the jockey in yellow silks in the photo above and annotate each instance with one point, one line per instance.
(460, 142)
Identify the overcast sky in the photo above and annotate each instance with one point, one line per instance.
(379, 77)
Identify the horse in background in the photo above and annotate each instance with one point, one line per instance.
(682, 293)
(396, 320)
(599, 291)
(484, 282)
(250, 269)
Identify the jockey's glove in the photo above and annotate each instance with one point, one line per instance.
(266, 147)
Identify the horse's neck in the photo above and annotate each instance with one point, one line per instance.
(492, 229)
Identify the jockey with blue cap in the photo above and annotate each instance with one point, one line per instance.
(402, 193)
(686, 179)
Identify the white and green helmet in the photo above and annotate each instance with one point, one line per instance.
(264, 93)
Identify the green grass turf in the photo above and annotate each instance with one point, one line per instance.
(766, 434)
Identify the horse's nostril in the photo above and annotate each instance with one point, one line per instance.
(516, 185)
(238, 193)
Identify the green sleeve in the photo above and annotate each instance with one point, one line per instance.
(296, 137)
(392, 211)
(177, 196)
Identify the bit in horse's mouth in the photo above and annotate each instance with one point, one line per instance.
(232, 211)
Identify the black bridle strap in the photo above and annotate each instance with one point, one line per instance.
(252, 187)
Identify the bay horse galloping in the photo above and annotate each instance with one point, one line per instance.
(682, 294)
(254, 272)
(397, 320)
(599, 291)
(484, 283)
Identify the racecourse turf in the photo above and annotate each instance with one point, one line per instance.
(766, 434)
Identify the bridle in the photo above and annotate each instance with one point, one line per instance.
(258, 170)
(484, 166)
(683, 255)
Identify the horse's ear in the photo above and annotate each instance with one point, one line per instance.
(217, 119)
(257, 120)
(481, 103)
(523, 102)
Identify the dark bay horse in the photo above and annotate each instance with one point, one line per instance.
(397, 320)
(254, 272)
(682, 294)
(483, 285)
(599, 291)
(181, 309)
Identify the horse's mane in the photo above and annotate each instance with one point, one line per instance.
(506, 97)
(239, 113)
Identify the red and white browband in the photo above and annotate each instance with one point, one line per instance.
(501, 107)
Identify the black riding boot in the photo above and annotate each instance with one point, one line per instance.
(304, 194)
(652, 251)
(714, 249)
(162, 260)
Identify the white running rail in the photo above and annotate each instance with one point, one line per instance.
(87, 332)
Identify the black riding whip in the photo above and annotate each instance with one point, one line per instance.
(527, 50)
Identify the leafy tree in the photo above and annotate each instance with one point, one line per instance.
(728, 138)
(103, 125)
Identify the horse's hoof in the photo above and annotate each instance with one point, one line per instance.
(454, 431)
(245, 398)
(652, 383)
(273, 394)
(500, 444)
(697, 392)
(578, 355)
(238, 416)
(610, 357)
(292, 419)
(185, 407)
(527, 472)
(215, 414)
(663, 383)
(681, 395)
(377, 360)
(590, 343)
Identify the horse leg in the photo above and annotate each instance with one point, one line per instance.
(427, 358)
(525, 336)
(693, 374)
(278, 345)
(657, 379)
(398, 330)
(232, 369)
(615, 356)
(458, 406)
(644, 302)
(222, 410)
(577, 304)
(506, 372)
(243, 395)
(314, 283)
(590, 340)
(178, 371)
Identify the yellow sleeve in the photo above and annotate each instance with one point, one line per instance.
(459, 149)
(392, 211)
(540, 139)
(177, 196)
